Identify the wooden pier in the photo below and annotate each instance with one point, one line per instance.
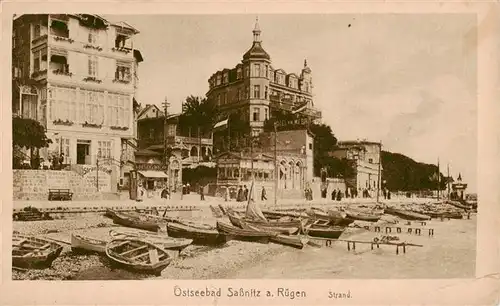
(401, 230)
(351, 244)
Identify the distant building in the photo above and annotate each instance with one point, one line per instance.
(364, 157)
(294, 152)
(77, 75)
(188, 150)
(253, 88)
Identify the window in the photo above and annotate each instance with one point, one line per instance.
(219, 79)
(257, 70)
(36, 62)
(64, 147)
(256, 114)
(265, 92)
(121, 41)
(226, 78)
(224, 98)
(92, 39)
(256, 91)
(123, 72)
(93, 66)
(238, 94)
(218, 99)
(36, 31)
(310, 146)
(266, 114)
(247, 92)
(267, 71)
(104, 149)
(370, 160)
(238, 73)
(247, 72)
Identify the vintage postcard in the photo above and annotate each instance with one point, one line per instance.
(246, 153)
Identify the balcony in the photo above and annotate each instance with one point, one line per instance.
(40, 40)
(190, 140)
(39, 75)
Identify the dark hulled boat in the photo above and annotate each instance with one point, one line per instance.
(406, 214)
(33, 252)
(362, 216)
(200, 234)
(138, 255)
(272, 226)
(333, 217)
(236, 233)
(324, 230)
(135, 221)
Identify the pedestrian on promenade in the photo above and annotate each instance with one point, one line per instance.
(310, 194)
(202, 194)
(334, 194)
(140, 193)
(188, 188)
(347, 192)
(239, 196)
(263, 196)
(226, 193)
(339, 195)
(245, 193)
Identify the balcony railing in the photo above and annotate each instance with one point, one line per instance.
(189, 140)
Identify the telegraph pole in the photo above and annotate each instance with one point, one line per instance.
(276, 175)
(379, 172)
(166, 158)
(448, 180)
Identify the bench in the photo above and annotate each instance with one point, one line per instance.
(60, 195)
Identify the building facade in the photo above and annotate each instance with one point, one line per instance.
(364, 157)
(253, 89)
(194, 148)
(294, 156)
(77, 74)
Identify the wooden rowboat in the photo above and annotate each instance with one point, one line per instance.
(201, 235)
(138, 255)
(362, 216)
(233, 232)
(334, 218)
(164, 241)
(82, 244)
(33, 252)
(406, 214)
(297, 242)
(324, 231)
(267, 226)
(129, 220)
(457, 204)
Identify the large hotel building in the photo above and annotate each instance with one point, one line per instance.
(77, 75)
(254, 88)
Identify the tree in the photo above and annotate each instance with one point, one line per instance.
(29, 134)
(197, 113)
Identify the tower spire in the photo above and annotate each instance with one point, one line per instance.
(256, 31)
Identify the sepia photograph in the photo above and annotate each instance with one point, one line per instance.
(244, 146)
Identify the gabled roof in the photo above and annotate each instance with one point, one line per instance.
(147, 108)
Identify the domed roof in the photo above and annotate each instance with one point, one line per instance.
(256, 52)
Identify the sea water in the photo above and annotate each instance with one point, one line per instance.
(450, 253)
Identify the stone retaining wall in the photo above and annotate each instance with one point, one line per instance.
(35, 184)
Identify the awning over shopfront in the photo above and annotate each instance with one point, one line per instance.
(153, 174)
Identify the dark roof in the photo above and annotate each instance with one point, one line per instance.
(256, 51)
(138, 56)
(146, 152)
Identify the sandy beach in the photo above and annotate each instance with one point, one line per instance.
(449, 253)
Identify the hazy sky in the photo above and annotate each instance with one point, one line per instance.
(407, 80)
